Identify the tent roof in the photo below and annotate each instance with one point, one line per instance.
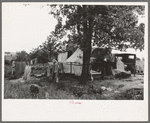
(76, 57)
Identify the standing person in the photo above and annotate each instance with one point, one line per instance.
(106, 62)
(13, 68)
(27, 71)
(109, 57)
(55, 71)
(49, 72)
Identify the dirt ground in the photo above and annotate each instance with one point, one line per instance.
(117, 87)
(130, 88)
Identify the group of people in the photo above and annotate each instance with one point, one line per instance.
(27, 71)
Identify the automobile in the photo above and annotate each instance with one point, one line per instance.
(129, 60)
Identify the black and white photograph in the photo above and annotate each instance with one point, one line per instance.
(77, 53)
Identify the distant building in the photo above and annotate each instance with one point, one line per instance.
(10, 56)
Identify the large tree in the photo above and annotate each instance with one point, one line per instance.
(100, 24)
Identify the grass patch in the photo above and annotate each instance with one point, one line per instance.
(22, 91)
(69, 89)
(132, 94)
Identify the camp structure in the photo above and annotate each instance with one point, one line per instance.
(73, 64)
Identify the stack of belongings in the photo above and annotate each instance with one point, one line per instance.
(39, 70)
(120, 71)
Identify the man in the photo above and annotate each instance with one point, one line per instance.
(106, 63)
(108, 59)
(55, 71)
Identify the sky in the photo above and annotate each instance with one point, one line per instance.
(25, 28)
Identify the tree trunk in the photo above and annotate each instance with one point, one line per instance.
(87, 36)
(86, 53)
(85, 67)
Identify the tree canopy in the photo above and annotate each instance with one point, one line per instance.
(110, 25)
(103, 25)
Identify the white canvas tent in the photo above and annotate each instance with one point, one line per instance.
(74, 63)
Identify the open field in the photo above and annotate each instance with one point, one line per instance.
(69, 88)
